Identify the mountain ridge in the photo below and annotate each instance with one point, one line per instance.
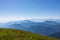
(47, 27)
(13, 34)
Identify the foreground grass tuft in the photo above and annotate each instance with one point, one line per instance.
(12, 34)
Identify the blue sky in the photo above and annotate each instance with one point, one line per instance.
(29, 9)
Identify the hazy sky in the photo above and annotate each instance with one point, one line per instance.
(29, 9)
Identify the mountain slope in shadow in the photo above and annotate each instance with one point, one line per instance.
(56, 35)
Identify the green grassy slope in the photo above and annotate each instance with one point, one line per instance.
(12, 34)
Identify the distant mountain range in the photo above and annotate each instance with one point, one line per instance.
(44, 27)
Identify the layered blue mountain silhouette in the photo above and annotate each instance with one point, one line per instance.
(46, 27)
